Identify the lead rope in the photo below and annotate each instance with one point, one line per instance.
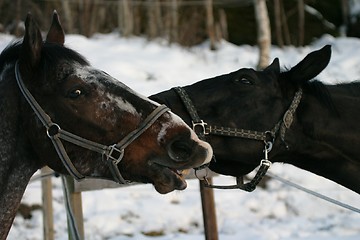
(318, 195)
(265, 164)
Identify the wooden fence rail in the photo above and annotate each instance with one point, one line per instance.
(76, 188)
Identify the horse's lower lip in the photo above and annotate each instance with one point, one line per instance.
(168, 179)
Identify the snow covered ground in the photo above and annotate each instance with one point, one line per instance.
(134, 213)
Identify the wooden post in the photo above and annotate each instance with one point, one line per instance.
(48, 218)
(76, 205)
(74, 190)
(208, 209)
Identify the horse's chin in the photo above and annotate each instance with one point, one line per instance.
(166, 179)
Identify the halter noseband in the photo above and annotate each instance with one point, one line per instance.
(268, 137)
(112, 153)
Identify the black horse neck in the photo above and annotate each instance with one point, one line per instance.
(16, 166)
(326, 142)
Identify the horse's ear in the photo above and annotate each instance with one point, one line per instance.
(311, 65)
(31, 45)
(273, 67)
(56, 33)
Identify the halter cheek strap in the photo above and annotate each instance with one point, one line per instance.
(112, 153)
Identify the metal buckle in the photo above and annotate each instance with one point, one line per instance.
(265, 162)
(115, 154)
(202, 124)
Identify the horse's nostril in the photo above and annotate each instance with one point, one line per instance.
(180, 150)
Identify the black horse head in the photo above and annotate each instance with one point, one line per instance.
(260, 101)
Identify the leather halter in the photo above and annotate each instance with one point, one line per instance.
(112, 153)
(268, 137)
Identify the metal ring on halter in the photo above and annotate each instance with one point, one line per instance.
(268, 146)
(52, 130)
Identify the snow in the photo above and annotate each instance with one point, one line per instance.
(129, 213)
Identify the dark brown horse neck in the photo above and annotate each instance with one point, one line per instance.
(326, 142)
(16, 166)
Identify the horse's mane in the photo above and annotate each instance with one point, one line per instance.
(313, 87)
(10, 53)
(51, 53)
(322, 93)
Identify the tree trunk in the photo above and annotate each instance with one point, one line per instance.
(210, 23)
(223, 24)
(345, 16)
(174, 21)
(125, 18)
(263, 33)
(285, 25)
(18, 18)
(301, 23)
(153, 14)
(278, 25)
(68, 16)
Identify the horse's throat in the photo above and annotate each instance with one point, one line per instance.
(327, 160)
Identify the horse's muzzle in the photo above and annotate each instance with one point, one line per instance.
(189, 152)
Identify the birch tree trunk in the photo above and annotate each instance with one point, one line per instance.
(263, 32)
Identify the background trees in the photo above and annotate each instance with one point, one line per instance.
(190, 22)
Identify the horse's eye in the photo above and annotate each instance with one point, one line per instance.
(244, 80)
(75, 93)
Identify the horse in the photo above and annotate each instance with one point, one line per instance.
(275, 115)
(58, 110)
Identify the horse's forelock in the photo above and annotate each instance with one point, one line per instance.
(53, 53)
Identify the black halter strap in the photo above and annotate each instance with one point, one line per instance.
(112, 153)
(268, 137)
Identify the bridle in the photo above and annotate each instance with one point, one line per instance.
(268, 137)
(113, 154)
